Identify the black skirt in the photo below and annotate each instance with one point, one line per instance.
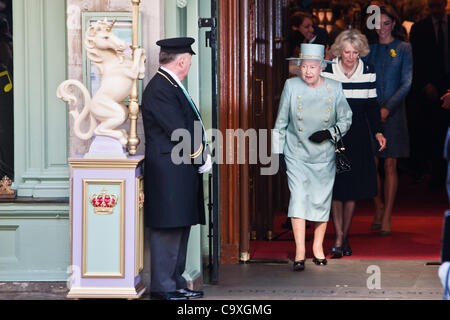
(361, 181)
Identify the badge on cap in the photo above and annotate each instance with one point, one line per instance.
(176, 45)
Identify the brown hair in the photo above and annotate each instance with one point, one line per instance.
(398, 31)
(165, 57)
(297, 18)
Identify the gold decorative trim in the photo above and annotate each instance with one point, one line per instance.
(139, 236)
(121, 273)
(107, 293)
(83, 163)
(197, 153)
(167, 79)
(309, 56)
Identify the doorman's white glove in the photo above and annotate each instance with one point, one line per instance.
(207, 166)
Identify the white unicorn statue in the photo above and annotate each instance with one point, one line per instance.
(105, 109)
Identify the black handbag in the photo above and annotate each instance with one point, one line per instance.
(342, 162)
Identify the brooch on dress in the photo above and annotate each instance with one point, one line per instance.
(393, 53)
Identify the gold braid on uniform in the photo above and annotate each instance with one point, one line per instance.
(167, 79)
(199, 151)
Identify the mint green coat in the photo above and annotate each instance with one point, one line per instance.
(310, 166)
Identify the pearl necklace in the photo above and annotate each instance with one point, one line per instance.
(350, 72)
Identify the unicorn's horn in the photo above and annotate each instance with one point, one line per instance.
(111, 25)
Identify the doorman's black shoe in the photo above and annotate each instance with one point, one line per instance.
(320, 262)
(167, 296)
(299, 265)
(191, 294)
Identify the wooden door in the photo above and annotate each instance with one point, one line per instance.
(269, 72)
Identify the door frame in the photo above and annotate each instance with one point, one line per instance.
(235, 94)
(236, 77)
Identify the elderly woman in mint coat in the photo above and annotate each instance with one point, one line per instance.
(310, 107)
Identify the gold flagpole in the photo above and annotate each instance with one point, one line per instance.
(133, 140)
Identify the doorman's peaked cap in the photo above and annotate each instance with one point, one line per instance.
(176, 45)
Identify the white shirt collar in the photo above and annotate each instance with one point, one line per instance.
(312, 40)
(174, 76)
(342, 77)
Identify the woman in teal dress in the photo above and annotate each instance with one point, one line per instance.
(392, 59)
(310, 107)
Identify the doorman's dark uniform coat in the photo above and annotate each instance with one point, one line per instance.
(173, 192)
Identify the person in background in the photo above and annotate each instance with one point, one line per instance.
(341, 14)
(359, 83)
(303, 31)
(444, 269)
(446, 100)
(367, 29)
(310, 106)
(447, 157)
(430, 40)
(392, 59)
(446, 105)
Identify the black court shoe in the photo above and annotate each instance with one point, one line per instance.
(346, 250)
(320, 262)
(299, 265)
(337, 252)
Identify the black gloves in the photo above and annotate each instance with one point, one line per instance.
(282, 163)
(320, 136)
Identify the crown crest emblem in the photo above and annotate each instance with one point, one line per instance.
(103, 203)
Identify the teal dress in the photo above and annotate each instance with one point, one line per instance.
(310, 166)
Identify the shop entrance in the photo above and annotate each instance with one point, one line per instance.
(253, 48)
(418, 211)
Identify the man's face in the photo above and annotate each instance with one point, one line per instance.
(437, 8)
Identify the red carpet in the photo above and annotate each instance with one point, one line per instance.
(416, 231)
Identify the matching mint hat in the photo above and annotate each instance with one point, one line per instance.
(310, 51)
